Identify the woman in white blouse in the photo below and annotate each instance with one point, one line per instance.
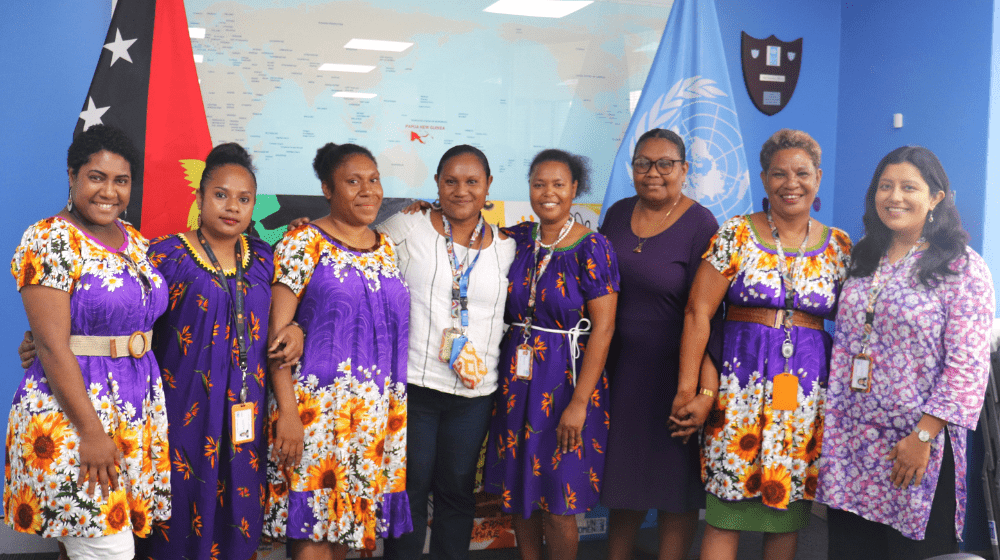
(456, 268)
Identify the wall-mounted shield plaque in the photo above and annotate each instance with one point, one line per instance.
(771, 70)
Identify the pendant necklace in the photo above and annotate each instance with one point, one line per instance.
(638, 248)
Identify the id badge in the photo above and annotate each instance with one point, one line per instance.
(861, 373)
(523, 358)
(447, 341)
(785, 392)
(243, 423)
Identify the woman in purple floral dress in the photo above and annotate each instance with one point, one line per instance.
(87, 452)
(545, 452)
(909, 370)
(337, 473)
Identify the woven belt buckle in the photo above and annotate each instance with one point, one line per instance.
(779, 319)
(142, 349)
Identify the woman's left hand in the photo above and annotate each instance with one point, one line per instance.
(690, 417)
(570, 429)
(910, 458)
(286, 346)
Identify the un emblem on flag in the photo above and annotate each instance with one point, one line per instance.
(771, 70)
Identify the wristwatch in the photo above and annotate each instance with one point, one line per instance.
(923, 435)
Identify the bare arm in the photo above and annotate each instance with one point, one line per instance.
(602, 318)
(49, 318)
(289, 433)
(706, 294)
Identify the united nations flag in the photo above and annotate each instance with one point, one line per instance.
(688, 91)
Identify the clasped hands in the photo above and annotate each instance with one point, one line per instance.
(688, 414)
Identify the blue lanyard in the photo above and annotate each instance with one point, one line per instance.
(460, 272)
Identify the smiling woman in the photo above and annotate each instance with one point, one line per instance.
(89, 413)
(338, 422)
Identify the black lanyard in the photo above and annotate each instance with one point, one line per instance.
(238, 316)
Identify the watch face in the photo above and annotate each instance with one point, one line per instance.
(923, 435)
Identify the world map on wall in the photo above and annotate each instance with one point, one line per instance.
(510, 85)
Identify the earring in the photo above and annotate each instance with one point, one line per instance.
(817, 204)
(930, 216)
(436, 205)
(765, 204)
(69, 201)
(488, 205)
(199, 220)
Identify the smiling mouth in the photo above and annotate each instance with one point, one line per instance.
(104, 206)
(549, 204)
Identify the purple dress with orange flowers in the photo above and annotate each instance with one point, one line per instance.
(112, 292)
(523, 464)
(350, 486)
(750, 449)
(217, 487)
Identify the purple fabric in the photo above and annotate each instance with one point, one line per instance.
(644, 360)
(522, 462)
(351, 391)
(930, 349)
(216, 486)
(750, 449)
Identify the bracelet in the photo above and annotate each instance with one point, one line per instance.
(706, 392)
(296, 324)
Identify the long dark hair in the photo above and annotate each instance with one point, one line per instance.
(945, 236)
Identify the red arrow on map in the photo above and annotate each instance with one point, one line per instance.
(417, 137)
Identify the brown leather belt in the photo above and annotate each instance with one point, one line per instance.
(774, 318)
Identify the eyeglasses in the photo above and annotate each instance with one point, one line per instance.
(665, 166)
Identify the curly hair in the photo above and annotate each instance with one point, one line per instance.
(229, 153)
(331, 156)
(462, 149)
(945, 237)
(579, 167)
(786, 139)
(101, 137)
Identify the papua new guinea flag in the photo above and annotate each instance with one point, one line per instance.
(146, 84)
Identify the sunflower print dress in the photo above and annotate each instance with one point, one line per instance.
(218, 488)
(523, 463)
(749, 449)
(113, 292)
(350, 486)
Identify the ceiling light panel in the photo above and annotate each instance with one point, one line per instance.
(375, 45)
(354, 95)
(357, 68)
(537, 8)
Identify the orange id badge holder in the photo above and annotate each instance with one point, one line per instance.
(861, 373)
(785, 392)
(522, 360)
(243, 423)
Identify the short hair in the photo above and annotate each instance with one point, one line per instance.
(665, 134)
(786, 139)
(945, 237)
(101, 137)
(331, 156)
(462, 149)
(229, 153)
(579, 167)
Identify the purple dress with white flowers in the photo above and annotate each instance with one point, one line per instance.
(350, 486)
(523, 464)
(930, 350)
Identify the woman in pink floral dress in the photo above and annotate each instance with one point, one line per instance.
(909, 370)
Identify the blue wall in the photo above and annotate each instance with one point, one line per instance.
(813, 106)
(991, 228)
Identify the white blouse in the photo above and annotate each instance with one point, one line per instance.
(424, 262)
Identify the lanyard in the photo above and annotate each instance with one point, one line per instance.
(788, 280)
(239, 319)
(460, 271)
(539, 268)
(876, 288)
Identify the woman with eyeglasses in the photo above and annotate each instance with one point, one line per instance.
(87, 453)
(659, 236)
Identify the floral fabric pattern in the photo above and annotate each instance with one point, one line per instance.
(218, 488)
(350, 485)
(749, 449)
(112, 293)
(523, 462)
(930, 351)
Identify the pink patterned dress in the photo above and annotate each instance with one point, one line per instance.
(931, 354)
